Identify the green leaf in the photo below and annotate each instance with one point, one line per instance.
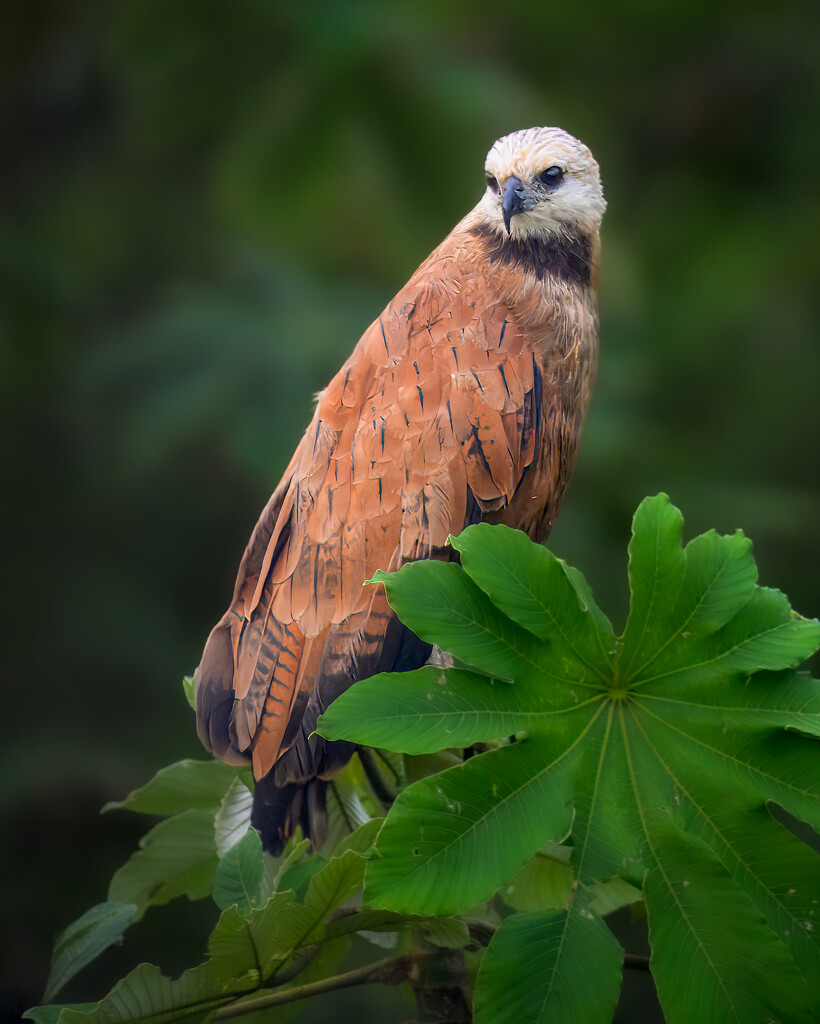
(338, 880)
(346, 922)
(453, 707)
(419, 766)
(393, 767)
(323, 963)
(280, 929)
(180, 787)
(189, 689)
(696, 613)
(258, 941)
(700, 926)
(445, 603)
(238, 874)
(468, 830)
(51, 1014)
(278, 868)
(233, 819)
(345, 810)
(265, 937)
(653, 755)
(298, 875)
(362, 840)
(544, 883)
(606, 897)
(176, 858)
(767, 863)
(656, 566)
(146, 996)
(535, 590)
(85, 939)
(544, 968)
(446, 932)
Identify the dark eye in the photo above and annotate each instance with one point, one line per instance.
(551, 176)
(492, 184)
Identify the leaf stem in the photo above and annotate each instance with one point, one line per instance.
(296, 966)
(390, 971)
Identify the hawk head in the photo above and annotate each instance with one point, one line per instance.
(542, 181)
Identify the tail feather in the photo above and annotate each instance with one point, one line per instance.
(279, 810)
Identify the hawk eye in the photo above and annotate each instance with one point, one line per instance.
(492, 184)
(551, 176)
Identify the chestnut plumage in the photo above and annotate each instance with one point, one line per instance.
(462, 402)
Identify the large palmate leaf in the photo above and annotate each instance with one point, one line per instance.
(654, 755)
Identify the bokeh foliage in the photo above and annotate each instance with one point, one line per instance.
(203, 206)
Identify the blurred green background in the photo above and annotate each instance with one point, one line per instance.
(205, 203)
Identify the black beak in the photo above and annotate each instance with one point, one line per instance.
(512, 200)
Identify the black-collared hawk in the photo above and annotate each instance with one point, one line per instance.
(462, 402)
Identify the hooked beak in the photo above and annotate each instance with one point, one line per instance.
(512, 200)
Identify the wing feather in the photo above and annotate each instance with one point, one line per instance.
(432, 413)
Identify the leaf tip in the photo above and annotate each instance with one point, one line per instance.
(189, 689)
(379, 576)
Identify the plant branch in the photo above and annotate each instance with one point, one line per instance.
(296, 966)
(391, 971)
(480, 931)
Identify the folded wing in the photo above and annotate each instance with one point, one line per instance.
(431, 423)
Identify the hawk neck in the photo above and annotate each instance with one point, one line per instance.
(567, 257)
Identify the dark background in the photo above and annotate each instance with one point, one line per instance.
(205, 203)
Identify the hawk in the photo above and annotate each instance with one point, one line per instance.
(462, 402)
